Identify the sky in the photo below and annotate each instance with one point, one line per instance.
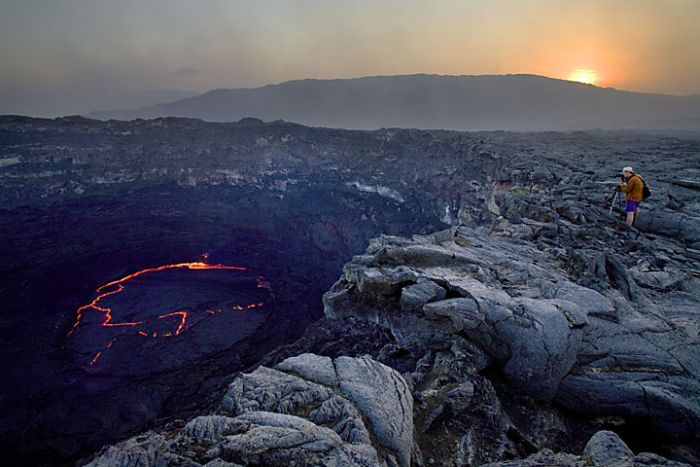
(61, 57)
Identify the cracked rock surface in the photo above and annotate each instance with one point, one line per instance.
(577, 334)
(308, 410)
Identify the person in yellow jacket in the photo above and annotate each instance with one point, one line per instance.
(633, 187)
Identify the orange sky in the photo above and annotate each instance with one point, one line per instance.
(81, 52)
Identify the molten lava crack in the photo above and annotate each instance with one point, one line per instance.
(117, 286)
(181, 326)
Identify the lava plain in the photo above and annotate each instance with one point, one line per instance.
(162, 317)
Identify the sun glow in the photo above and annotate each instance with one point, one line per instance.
(584, 76)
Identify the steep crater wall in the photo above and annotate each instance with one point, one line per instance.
(103, 336)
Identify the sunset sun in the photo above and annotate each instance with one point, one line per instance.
(584, 76)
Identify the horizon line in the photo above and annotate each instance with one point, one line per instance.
(437, 75)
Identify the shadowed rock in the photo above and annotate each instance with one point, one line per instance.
(604, 449)
(309, 410)
(609, 351)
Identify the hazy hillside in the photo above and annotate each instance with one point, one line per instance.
(145, 98)
(515, 102)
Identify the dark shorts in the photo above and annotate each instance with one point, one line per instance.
(632, 206)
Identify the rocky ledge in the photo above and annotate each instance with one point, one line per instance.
(488, 302)
(604, 448)
(307, 410)
(467, 347)
(587, 337)
(312, 410)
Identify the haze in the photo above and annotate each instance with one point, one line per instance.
(72, 56)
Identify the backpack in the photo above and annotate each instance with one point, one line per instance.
(646, 192)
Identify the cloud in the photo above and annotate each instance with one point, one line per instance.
(187, 71)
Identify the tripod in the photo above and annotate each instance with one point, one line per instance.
(618, 198)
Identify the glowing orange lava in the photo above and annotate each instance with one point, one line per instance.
(192, 265)
(99, 354)
(197, 265)
(183, 320)
(182, 315)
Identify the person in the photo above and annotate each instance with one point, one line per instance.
(632, 186)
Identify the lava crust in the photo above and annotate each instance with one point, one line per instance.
(163, 317)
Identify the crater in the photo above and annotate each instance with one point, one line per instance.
(130, 323)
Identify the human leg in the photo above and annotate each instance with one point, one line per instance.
(631, 208)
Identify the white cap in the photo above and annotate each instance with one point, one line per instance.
(628, 169)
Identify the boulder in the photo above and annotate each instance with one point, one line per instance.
(309, 410)
(414, 296)
(383, 398)
(606, 448)
(462, 312)
(268, 438)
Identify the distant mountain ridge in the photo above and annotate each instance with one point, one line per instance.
(485, 102)
(145, 98)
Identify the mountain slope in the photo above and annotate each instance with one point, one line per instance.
(509, 102)
(145, 98)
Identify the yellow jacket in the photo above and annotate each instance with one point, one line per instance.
(634, 188)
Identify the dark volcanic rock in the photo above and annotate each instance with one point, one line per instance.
(540, 321)
(604, 448)
(615, 351)
(57, 255)
(162, 320)
(308, 410)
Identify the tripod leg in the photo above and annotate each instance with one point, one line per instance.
(612, 203)
(622, 203)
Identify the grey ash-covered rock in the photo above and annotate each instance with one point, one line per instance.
(604, 449)
(309, 410)
(610, 348)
